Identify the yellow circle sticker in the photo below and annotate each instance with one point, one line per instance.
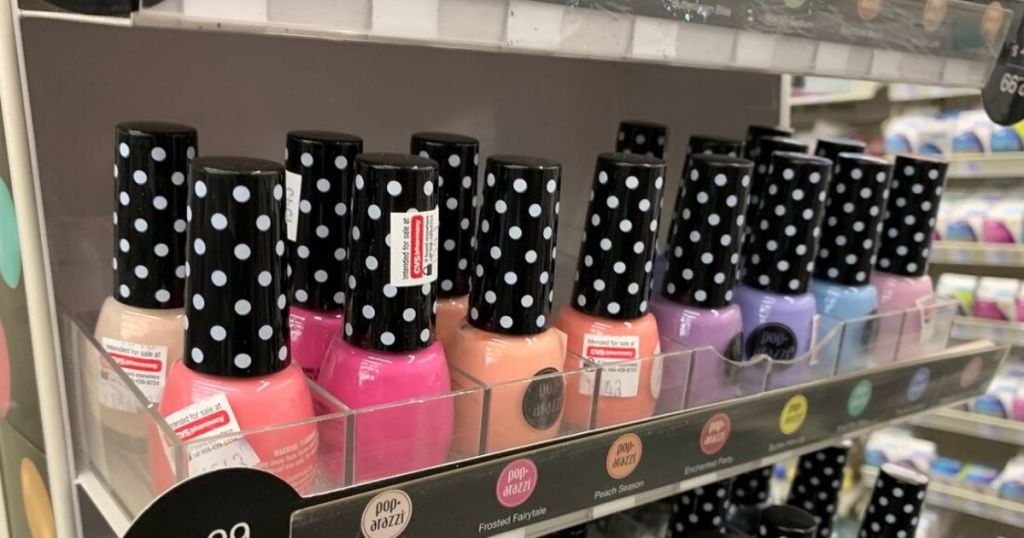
(793, 414)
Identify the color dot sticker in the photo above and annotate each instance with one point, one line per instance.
(10, 249)
(793, 414)
(624, 456)
(918, 384)
(715, 433)
(5, 373)
(387, 515)
(38, 510)
(516, 483)
(967, 377)
(859, 398)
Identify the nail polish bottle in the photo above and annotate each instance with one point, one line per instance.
(751, 143)
(786, 522)
(694, 308)
(778, 312)
(749, 496)
(388, 352)
(766, 148)
(607, 320)
(698, 145)
(817, 484)
(318, 179)
(506, 336)
(700, 509)
(457, 157)
(140, 325)
(895, 507)
(901, 271)
(643, 138)
(237, 370)
(841, 284)
(830, 148)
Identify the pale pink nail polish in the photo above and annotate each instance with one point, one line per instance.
(388, 352)
(318, 184)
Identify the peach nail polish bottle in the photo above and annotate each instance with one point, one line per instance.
(506, 336)
(318, 186)
(607, 321)
(457, 157)
(140, 326)
(237, 374)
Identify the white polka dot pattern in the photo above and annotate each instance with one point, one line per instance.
(751, 488)
(705, 248)
(853, 216)
(917, 185)
(766, 148)
(783, 232)
(895, 506)
(378, 311)
(507, 273)
(817, 483)
(702, 508)
(237, 318)
(786, 522)
(148, 201)
(458, 184)
(602, 287)
(321, 246)
(642, 138)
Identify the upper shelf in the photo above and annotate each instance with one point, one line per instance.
(986, 165)
(898, 40)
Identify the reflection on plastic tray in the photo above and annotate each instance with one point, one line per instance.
(341, 447)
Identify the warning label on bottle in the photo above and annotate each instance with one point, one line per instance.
(144, 364)
(620, 372)
(413, 248)
(292, 199)
(211, 417)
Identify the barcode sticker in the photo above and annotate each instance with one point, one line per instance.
(211, 417)
(620, 373)
(292, 201)
(145, 365)
(413, 248)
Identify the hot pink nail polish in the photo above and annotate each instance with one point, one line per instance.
(388, 352)
(458, 158)
(236, 374)
(318, 184)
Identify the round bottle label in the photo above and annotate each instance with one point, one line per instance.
(543, 400)
(773, 339)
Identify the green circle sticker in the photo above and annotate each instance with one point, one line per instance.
(859, 398)
(10, 250)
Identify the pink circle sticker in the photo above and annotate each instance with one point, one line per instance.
(516, 483)
(715, 433)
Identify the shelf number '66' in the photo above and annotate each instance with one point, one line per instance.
(239, 530)
(1012, 84)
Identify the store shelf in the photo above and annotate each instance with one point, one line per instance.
(986, 166)
(1003, 332)
(828, 39)
(975, 425)
(968, 253)
(902, 93)
(857, 92)
(965, 501)
(580, 478)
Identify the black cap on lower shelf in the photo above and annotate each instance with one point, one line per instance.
(786, 522)
(751, 488)
(817, 484)
(702, 508)
(642, 138)
(895, 507)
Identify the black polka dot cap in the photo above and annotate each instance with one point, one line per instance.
(393, 246)
(895, 507)
(817, 484)
(704, 251)
(320, 166)
(512, 284)
(237, 310)
(617, 254)
(701, 145)
(752, 488)
(643, 138)
(853, 216)
(752, 148)
(780, 254)
(457, 157)
(762, 163)
(830, 148)
(917, 185)
(786, 522)
(702, 508)
(150, 196)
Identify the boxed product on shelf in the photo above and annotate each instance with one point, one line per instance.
(1004, 397)
(1010, 483)
(996, 299)
(960, 287)
(958, 131)
(893, 445)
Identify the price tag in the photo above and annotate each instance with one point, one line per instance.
(1003, 96)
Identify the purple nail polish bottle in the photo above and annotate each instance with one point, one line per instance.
(643, 138)
(778, 312)
(699, 145)
(694, 308)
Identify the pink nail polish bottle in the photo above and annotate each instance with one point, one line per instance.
(141, 324)
(457, 157)
(694, 308)
(387, 352)
(318, 185)
(607, 320)
(901, 270)
(236, 373)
